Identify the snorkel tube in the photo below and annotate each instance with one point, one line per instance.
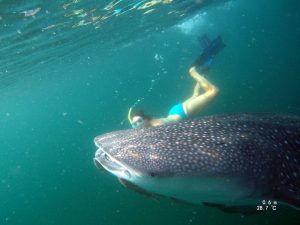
(137, 121)
(129, 115)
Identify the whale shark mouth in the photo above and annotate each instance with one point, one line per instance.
(104, 160)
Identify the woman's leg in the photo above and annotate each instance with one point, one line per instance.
(197, 89)
(196, 103)
(204, 83)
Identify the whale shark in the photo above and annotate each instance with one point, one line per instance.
(231, 162)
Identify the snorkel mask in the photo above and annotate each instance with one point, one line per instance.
(136, 121)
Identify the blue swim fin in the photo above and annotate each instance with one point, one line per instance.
(204, 41)
(210, 50)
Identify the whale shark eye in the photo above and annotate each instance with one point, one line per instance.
(127, 173)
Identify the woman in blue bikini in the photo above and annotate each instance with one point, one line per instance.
(198, 100)
(189, 107)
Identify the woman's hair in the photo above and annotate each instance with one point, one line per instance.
(141, 113)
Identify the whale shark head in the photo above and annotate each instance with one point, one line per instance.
(217, 159)
(130, 154)
(174, 160)
(175, 149)
(149, 169)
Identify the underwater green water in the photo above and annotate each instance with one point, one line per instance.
(50, 115)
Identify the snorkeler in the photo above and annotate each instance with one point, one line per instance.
(197, 101)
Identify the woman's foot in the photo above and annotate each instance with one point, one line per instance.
(192, 69)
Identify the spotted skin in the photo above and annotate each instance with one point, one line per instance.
(263, 149)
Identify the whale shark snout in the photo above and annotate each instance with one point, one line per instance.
(104, 160)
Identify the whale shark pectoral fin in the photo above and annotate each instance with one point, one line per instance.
(242, 209)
